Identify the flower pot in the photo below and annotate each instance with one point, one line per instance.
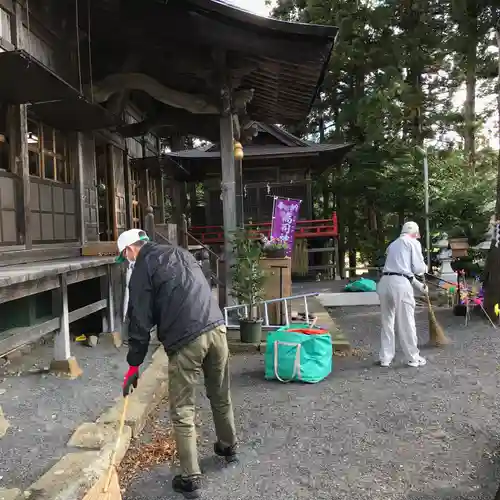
(251, 331)
(275, 253)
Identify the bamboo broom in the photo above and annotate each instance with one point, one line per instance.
(437, 337)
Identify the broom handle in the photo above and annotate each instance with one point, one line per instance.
(117, 444)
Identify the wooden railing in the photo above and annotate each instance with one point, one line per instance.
(303, 229)
(210, 262)
(187, 239)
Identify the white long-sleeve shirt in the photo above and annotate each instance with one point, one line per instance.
(404, 256)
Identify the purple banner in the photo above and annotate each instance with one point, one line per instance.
(285, 215)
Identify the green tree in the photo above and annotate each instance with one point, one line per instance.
(396, 67)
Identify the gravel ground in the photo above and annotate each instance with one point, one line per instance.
(364, 433)
(43, 410)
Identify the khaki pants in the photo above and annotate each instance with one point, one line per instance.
(209, 353)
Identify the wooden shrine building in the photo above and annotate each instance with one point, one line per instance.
(89, 92)
(276, 163)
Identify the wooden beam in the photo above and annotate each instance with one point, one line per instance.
(85, 311)
(117, 102)
(18, 337)
(27, 288)
(27, 256)
(179, 119)
(85, 274)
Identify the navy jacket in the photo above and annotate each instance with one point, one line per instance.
(168, 289)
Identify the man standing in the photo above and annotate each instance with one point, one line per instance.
(397, 302)
(167, 288)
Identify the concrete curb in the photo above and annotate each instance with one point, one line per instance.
(237, 347)
(88, 456)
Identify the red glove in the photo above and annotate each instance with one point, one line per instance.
(130, 380)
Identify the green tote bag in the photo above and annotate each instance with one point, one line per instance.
(298, 357)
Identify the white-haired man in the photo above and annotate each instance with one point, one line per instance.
(397, 302)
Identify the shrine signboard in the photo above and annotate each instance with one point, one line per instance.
(285, 214)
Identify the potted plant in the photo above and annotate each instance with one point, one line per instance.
(248, 284)
(274, 248)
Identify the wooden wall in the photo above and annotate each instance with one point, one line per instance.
(9, 196)
(260, 185)
(53, 212)
(61, 213)
(52, 36)
(90, 209)
(120, 217)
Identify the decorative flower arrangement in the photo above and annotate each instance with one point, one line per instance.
(274, 247)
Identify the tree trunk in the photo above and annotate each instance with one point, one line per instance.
(380, 230)
(470, 116)
(470, 97)
(401, 218)
(327, 209)
(492, 276)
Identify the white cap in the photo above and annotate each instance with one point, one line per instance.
(411, 228)
(128, 238)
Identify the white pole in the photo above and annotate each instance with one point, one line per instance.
(426, 202)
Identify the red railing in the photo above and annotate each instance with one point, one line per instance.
(324, 228)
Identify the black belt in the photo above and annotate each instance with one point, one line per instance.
(409, 278)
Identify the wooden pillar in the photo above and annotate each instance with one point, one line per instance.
(183, 232)
(228, 185)
(206, 198)
(309, 206)
(22, 167)
(338, 268)
(149, 223)
(108, 316)
(25, 172)
(240, 207)
(147, 188)
(128, 189)
(111, 165)
(63, 361)
(143, 191)
(192, 200)
(161, 199)
(80, 188)
(110, 303)
(178, 197)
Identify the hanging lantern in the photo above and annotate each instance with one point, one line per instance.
(238, 151)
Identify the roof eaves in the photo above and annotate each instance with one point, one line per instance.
(234, 13)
